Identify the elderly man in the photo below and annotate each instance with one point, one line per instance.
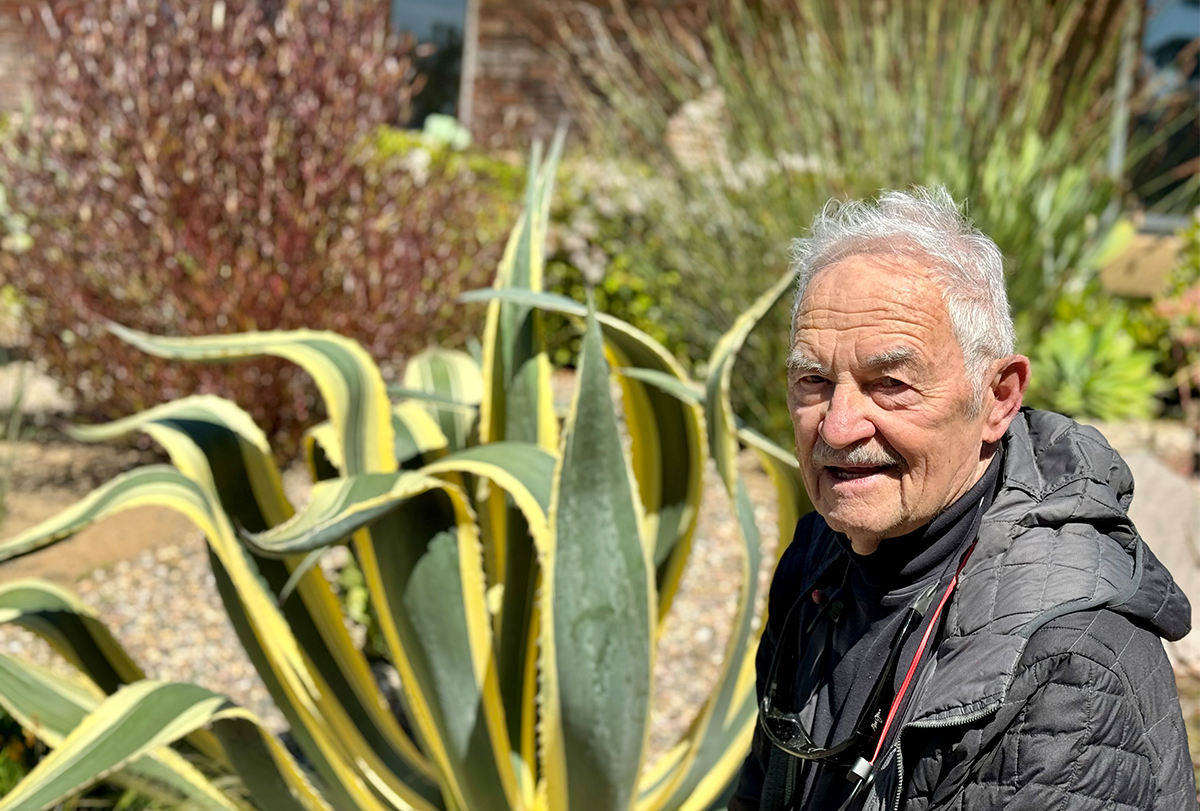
(969, 620)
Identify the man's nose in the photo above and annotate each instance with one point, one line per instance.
(845, 422)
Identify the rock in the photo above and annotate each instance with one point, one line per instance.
(1166, 511)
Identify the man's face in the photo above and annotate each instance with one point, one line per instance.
(879, 399)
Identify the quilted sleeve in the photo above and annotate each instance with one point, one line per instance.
(1080, 735)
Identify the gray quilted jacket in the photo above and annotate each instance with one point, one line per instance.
(1049, 688)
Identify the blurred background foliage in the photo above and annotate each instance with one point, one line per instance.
(178, 176)
(741, 118)
(227, 166)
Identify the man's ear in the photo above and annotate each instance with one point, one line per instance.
(1003, 395)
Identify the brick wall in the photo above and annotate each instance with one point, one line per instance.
(516, 91)
(15, 52)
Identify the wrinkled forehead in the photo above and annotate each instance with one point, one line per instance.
(889, 307)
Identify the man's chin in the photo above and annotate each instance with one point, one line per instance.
(855, 522)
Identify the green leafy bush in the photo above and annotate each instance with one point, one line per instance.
(519, 567)
(1096, 371)
(758, 113)
(217, 167)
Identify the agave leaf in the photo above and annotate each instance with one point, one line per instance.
(50, 706)
(152, 484)
(243, 473)
(322, 452)
(524, 472)
(325, 688)
(784, 471)
(666, 426)
(428, 589)
(338, 508)
(71, 628)
(419, 436)
(349, 381)
(135, 722)
(722, 731)
(452, 383)
(217, 444)
(518, 405)
(599, 612)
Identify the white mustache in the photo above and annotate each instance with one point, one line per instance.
(860, 456)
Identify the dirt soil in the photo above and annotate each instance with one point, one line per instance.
(46, 479)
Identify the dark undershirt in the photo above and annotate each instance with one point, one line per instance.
(880, 588)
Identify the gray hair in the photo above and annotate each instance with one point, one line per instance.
(923, 224)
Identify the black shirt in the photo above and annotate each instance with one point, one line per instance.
(877, 590)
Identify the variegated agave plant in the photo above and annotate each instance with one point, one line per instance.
(520, 571)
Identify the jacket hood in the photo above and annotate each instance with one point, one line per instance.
(1057, 540)
(1084, 484)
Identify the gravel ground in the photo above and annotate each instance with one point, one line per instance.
(163, 607)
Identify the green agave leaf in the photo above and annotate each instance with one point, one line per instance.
(134, 723)
(217, 444)
(518, 405)
(598, 625)
(337, 508)
(153, 484)
(428, 591)
(419, 438)
(327, 691)
(72, 628)
(50, 707)
(450, 385)
(241, 468)
(669, 447)
(349, 381)
(721, 734)
(525, 473)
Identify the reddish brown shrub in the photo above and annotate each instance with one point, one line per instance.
(212, 167)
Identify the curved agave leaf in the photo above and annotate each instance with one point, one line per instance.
(138, 721)
(322, 452)
(71, 628)
(455, 382)
(347, 378)
(217, 444)
(599, 612)
(428, 588)
(338, 508)
(419, 437)
(153, 484)
(525, 473)
(721, 733)
(74, 630)
(666, 426)
(324, 688)
(242, 471)
(50, 706)
(518, 405)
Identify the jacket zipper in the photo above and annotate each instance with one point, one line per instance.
(789, 782)
(899, 756)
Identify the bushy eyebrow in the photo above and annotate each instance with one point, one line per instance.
(800, 364)
(891, 358)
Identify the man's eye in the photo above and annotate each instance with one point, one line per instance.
(891, 383)
(811, 380)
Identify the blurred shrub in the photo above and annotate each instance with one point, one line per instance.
(1178, 307)
(1094, 371)
(612, 221)
(219, 167)
(758, 113)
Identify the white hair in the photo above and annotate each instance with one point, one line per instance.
(926, 225)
